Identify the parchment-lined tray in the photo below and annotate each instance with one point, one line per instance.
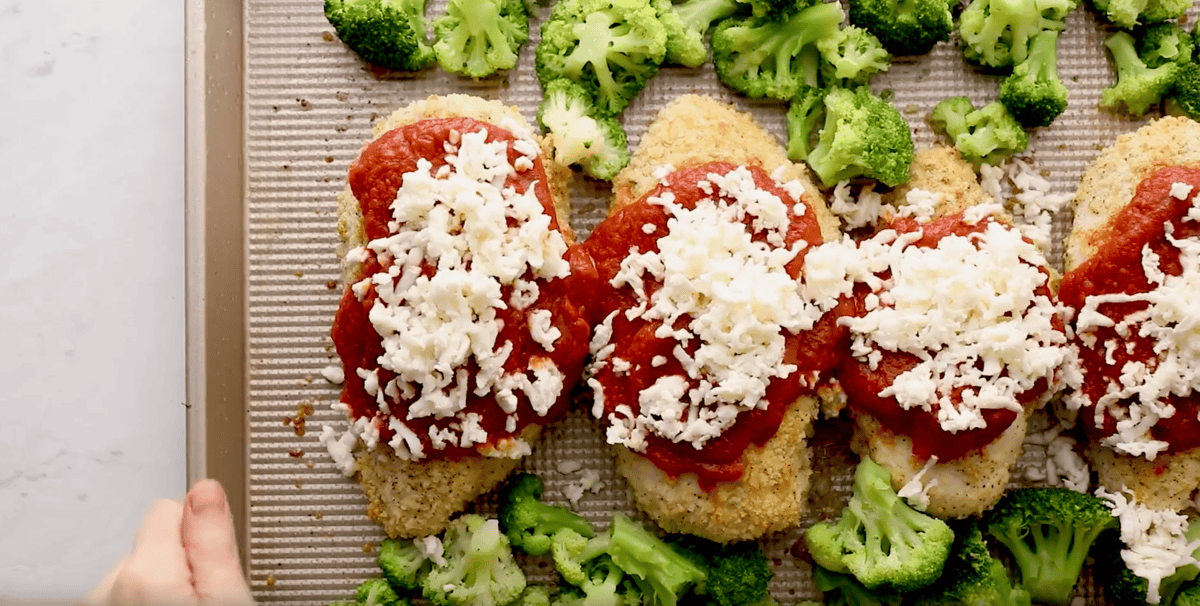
(277, 110)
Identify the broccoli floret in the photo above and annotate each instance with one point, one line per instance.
(904, 27)
(534, 595)
(805, 112)
(736, 574)
(764, 57)
(880, 539)
(863, 136)
(972, 577)
(610, 47)
(388, 33)
(1034, 94)
(852, 56)
(573, 553)
(1185, 95)
(377, 592)
(1127, 14)
(1123, 587)
(777, 9)
(1189, 595)
(986, 135)
(684, 46)
(477, 38)
(845, 590)
(530, 523)
(1138, 86)
(582, 136)
(996, 33)
(1049, 532)
(1165, 43)
(698, 16)
(479, 569)
(403, 564)
(661, 573)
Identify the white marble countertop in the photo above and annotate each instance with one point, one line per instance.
(91, 283)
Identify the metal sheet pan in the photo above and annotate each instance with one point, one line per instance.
(277, 108)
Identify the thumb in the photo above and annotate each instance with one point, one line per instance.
(211, 548)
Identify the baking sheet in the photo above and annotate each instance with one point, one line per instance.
(277, 110)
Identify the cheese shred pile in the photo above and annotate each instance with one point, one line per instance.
(967, 308)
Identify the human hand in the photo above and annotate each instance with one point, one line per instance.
(184, 555)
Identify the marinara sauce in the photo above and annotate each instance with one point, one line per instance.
(1116, 267)
(863, 385)
(814, 352)
(375, 179)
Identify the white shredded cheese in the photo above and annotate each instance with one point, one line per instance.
(725, 297)
(915, 491)
(1171, 320)
(968, 308)
(481, 236)
(856, 212)
(1155, 540)
(334, 374)
(431, 547)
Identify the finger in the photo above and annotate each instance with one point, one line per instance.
(101, 594)
(211, 547)
(157, 571)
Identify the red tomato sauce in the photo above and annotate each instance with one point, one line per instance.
(1117, 268)
(375, 178)
(814, 352)
(863, 385)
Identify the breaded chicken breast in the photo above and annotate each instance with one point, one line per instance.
(971, 484)
(1170, 480)
(413, 498)
(770, 495)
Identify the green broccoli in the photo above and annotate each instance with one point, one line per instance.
(477, 38)
(479, 569)
(377, 592)
(765, 57)
(904, 27)
(1127, 14)
(776, 9)
(805, 112)
(845, 590)
(582, 135)
(996, 33)
(661, 573)
(1189, 595)
(534, 595)
(1034, 94)
(573, 553)
(1049, 532)
(1123, 587)
(736, 574)
(388, 33)
(972, 577)
(403, 563)
(684, 46)
(1185, 94)
(1138, 86)
(1165, 43)
(863, 136)
(698, 16)
(528, 522)
(986, 135)
(610, 47)
(852, 56)
(880, 539)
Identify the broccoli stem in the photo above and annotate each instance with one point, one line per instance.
(699, 15)
(1124, 55)
(1050, 559)
(665, 573)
